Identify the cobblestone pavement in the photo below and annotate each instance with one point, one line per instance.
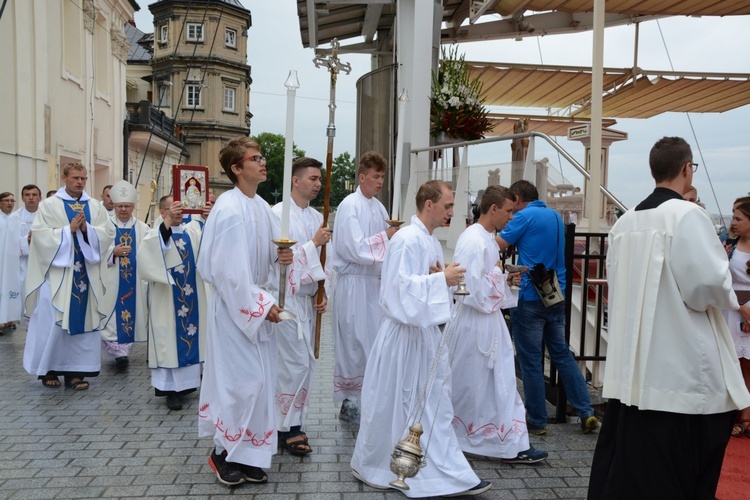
(117, 440)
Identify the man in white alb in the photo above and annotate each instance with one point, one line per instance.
(237, 259)
(71, 237)
(176, 304)
(415, 298)
(11, 296)
(31, 196)
(360, 239)
(490, 418)
(295, 337)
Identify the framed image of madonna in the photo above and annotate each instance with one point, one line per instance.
(190, 187)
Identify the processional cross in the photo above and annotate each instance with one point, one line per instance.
(334, 65)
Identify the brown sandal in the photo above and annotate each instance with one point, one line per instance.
(77, 384)
(51, 382)
(741, 428)
(298, 445)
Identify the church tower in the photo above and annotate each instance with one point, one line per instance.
(200, 75)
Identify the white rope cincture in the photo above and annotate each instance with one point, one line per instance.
(447, 337)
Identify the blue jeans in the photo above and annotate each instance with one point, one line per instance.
(533, 324)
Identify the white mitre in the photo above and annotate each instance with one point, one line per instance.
(122, 192)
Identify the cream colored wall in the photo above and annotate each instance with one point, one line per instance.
(54, 113)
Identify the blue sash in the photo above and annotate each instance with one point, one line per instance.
(79, 294)
(126, 291)
(185, 296)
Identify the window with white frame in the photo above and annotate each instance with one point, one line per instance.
(229, 99)
(164, 33)
(230, 38)
(194, 32)
(193, 96)
(162, 99)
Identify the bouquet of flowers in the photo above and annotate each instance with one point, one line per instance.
(455, 106)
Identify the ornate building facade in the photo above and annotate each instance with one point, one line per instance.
(63, 82)
(200, 75)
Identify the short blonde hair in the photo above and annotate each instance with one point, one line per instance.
(76, 165)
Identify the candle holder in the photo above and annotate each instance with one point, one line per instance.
(394, 222)
(284, 315)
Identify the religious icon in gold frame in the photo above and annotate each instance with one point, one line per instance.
(190, 187)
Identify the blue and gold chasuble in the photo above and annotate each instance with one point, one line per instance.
(185, 296)
(126, 291)
(79, 294)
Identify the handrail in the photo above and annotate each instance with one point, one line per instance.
(523, 135)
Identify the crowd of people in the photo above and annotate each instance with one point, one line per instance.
(203, 291)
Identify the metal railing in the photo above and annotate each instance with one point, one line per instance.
(607, 194)
(585, 264)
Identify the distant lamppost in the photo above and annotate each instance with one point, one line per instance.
(275, 195)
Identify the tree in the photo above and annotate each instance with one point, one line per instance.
(344, 168)
(272, 147)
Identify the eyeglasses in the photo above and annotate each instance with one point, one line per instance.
(255, 158)
(695, 166)
(124, 207)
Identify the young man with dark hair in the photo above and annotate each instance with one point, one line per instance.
(672, 378)
(415, 298)
(107, 200)
(360, 239)
(31, 196)
(490, 418)
(539, 236)
(296, 337)
(238, 259)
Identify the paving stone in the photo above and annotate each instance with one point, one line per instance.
(124, 491)
(119, 441)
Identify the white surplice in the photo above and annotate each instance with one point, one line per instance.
(114, 268)
(669, 347)
(415, 303)
(490, 418)
(359, 245)
(25, 221)
(295, 337)
(49, 281)
(11, 297)
(239, 377)
(155, 259)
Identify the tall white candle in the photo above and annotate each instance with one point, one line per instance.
(402, 100)
(291, 84)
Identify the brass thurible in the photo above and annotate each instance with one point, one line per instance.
(407, 457)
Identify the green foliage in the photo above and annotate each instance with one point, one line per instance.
(344, 168)
(455, 106)
(272, 146)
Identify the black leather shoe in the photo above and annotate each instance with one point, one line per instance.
(174, 402)
(122, 362)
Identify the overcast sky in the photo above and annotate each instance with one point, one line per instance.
(694, 44)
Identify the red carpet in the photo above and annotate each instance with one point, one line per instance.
(734, 483)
